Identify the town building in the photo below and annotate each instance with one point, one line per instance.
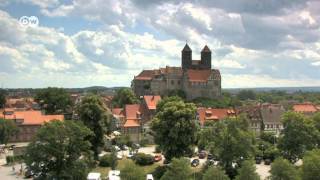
(28, 122)
(195, 78)
(305, 108)
(271, 116)
(212, 114)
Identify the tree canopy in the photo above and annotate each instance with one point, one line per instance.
(8, 128)
(124, 96)
(2, 98)
(54, 100)
(299, 135)
(56, 150)
(131, 171)
(282, 169)
(215, 173)
(247, 171)
(97, 118)
(311, 165)
(175, 127)
(178, 169)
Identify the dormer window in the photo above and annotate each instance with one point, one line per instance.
(208, 113)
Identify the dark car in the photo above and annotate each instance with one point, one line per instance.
(195, 162)
(202, 154)
(28, 173)
(210, 162)
(258, 160)
(267, 161)
(210, 156)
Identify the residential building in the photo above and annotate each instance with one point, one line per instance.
(271, 116)
(305, 108)
(254, 116)
(195, 78)
(213, 114)
(129, 120)
(28, 122)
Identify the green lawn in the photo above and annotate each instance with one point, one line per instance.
(105, 170)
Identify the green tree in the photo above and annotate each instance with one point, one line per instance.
(178, 169)
(8, 128)
(299, 135)
(2, 98)
(97, 118)
(311, 165)
(124, 96)
(231, 141)
(215, 173)
(54, 100)
(56, 150)
(247, 171)
(131, 171)
(282, 169)
(174, 127)
(246, 94)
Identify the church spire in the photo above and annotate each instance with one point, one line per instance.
(206, 49)
(186, 48)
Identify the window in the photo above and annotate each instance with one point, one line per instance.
(172, 82)
(178, 82)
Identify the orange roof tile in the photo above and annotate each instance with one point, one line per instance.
(33, 117)
(131, 123)
(145, 75)
(214, 114)
(152, 101)
(198, 75)
(306, 107)
(132, 111)
(118, 111)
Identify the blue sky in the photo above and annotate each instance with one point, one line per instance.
(79, 43)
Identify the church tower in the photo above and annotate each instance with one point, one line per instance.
(206, 57)
(186, 60)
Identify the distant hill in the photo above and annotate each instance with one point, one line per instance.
(286, 89)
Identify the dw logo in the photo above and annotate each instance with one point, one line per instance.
(32, 21)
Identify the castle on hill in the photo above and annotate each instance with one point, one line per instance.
(195, 78)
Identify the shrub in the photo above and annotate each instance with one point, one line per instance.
(108, 160)
(144, 142)
(143, 159)
(157, 149)
(159, 172)
(12, 159)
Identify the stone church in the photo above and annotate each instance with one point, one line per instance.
(195, 78)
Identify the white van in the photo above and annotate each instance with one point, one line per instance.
(94, 176)
(149, 177)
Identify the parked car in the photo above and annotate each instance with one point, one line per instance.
(12, 146)
(149, 177)
(157, 158)
(28, 173)
(202, 154)
(267, 161)
(119, 156)
(210, 156)
(124, 147)
(117, 148)
(258, 160)
(130, 155)
(195, 162)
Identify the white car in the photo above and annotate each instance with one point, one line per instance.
(149, 177)
(114, 175)
(94, 176)
(117, 148)
(119, 156)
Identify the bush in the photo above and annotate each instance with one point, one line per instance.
(158, 149)
(143, 159)
(12, 159)
(159, 172)
(108, 160)
(144, 142)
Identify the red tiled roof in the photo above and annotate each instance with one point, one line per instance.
(306, 107)
(198, 75)
(152, 101)
(33, 117)
(131, 123)
(118, 111)
(145, 75)
(214, 114)
(132, 111)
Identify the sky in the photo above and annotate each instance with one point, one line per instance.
(81, 43)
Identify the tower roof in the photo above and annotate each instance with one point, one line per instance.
(186, 48)
(206, 49)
